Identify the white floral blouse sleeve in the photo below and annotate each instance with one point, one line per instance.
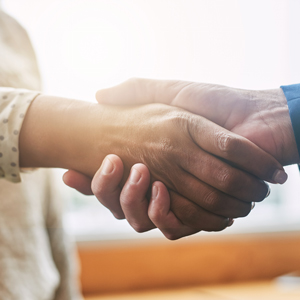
(13, 107)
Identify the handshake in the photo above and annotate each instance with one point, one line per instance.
(179, 156)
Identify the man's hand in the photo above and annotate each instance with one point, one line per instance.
(260, 116)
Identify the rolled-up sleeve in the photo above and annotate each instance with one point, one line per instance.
(13, 107)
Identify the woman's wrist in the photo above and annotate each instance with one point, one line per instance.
(63, 133)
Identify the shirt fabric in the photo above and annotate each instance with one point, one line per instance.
(13, 106)
(37, 260)
(292, 94)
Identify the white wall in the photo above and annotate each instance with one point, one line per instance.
(84, 45)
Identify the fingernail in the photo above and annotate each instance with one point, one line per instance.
(135, 176)
(280, 176)
(230, 222)
(268, 192)
(253, 205)
(154, 192)
(107, 167)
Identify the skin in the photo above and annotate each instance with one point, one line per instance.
(260, 116)
(180, 150)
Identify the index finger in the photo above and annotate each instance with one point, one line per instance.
(236, 149)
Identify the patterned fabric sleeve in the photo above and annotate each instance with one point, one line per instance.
(13, 107)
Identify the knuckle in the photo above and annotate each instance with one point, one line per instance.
(126, 201)
(179, 118)
(188, 213)
(223, 205)
(154, 215)
(227, 144)
(172, 153)
(188, 90)
(192, 218)
(167, 146)
(228, 181)
(211, 200)
(98, 191)
(167, 150)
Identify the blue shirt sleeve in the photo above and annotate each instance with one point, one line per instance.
(292, 94)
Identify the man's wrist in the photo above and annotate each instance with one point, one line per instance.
(292, 95)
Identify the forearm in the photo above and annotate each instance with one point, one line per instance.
(63, 133)
(77, 135)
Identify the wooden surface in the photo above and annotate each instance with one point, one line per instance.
(266, 290)
(137, 265)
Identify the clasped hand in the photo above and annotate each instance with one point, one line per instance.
(202, 173)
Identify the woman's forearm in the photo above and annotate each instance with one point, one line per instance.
(63, 133)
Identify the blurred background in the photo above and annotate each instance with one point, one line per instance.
(86, 45)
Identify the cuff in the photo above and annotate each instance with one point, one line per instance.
(292, 94)
(14, 105)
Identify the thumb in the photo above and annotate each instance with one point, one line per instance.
(126, 93)
(213, 102)
(138, 91)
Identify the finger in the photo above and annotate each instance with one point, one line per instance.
(133, 198)
(78, 181)
(218, 175)
(163, 218)
(236, 149)
(141, 91)
(213, 200)
(105, 184)
(196, 217)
